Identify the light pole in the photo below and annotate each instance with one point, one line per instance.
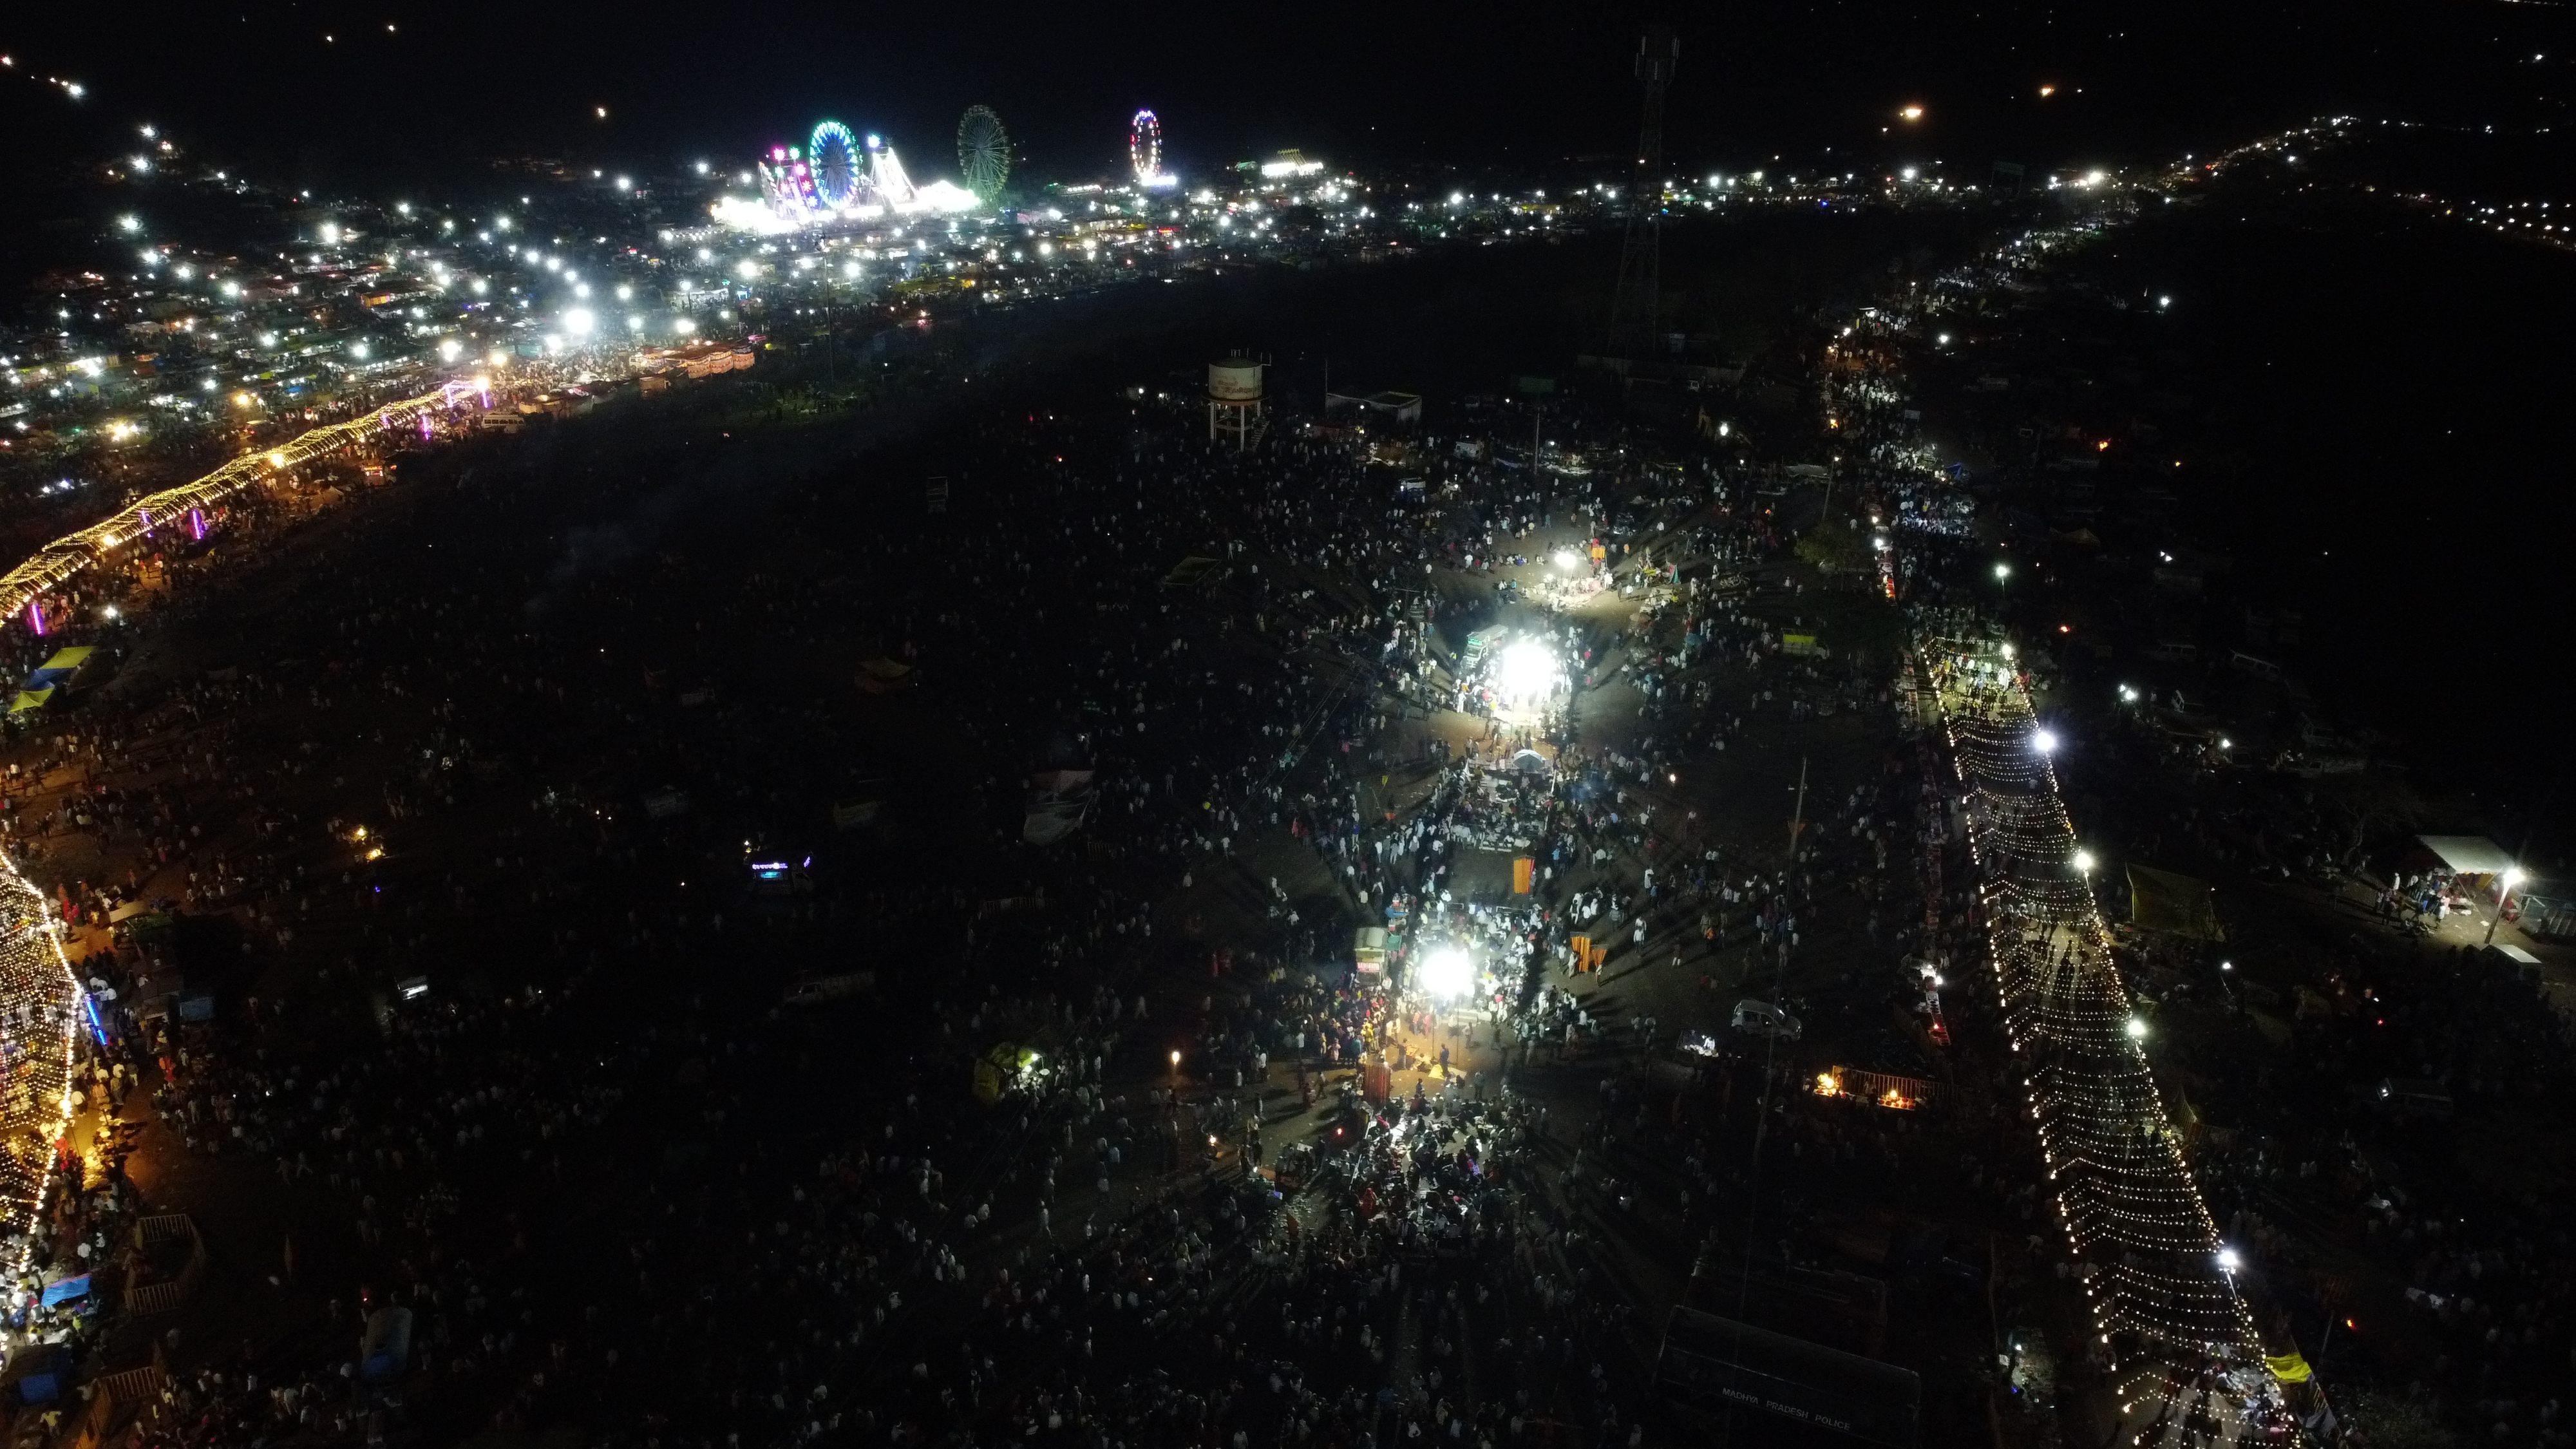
(2504, 892)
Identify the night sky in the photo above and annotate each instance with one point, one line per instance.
(1366, 86)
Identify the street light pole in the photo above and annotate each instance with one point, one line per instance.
(2504, 892)
(1798, 819)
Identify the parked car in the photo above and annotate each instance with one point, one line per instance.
(1761, 1018)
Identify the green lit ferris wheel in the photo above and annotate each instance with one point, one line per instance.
(983, 152)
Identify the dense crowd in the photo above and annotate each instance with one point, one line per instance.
(416, 853)
(611, 1186)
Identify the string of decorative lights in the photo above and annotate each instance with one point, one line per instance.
(2155, 1274)
(55, 564)
(40, 1013)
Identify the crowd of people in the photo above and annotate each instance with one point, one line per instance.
(439, 812)
(527, 893)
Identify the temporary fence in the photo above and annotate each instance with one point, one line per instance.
(112, 1394)
(169, 1295)
(1879, 1089)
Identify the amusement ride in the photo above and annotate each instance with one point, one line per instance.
(983, 152)
(835, 176)
(1145, 150)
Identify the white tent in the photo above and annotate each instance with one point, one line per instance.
(2467, 854)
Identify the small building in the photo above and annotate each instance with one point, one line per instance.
(1718, 1366)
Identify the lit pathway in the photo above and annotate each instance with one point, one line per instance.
(2185, 1355)
(57, 562)
(41, 1008)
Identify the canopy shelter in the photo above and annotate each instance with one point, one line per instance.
(1058, 801)
(1195, 572)
(2175, 905)
(2467, 854)
(880, 675)
(53, 676)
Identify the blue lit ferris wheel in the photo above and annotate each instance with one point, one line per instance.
(838, 165)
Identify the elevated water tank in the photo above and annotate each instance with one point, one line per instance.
(1234, 399)
(1235, 380)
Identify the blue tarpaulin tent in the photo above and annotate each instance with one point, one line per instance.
(51, 677)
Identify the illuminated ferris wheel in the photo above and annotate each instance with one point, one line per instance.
(1145, 146)
(837, 164)
(983, 152)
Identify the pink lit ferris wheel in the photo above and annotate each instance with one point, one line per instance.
(1145, 147)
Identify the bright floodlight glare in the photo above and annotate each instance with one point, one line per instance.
(2003, 571)
(1565, 558)
(2084, 861)
(1526, 670)
(2137, 1029)
(1447, 972)
(2227, 1259)
(2043, 741)
(578, 321)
